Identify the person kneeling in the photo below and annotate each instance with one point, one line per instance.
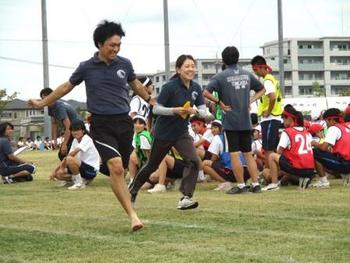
(294, 153)
(82, 162)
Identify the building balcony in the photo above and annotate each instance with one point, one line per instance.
(310, 67)
(334, 66)
(310, 52)
(340, 82)
(309, 82)
(340, 53)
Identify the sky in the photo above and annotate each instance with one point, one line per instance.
(201, 28)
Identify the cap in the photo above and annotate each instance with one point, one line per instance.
(315, 114)
(139, 117)
(216, 123)
(315, 128)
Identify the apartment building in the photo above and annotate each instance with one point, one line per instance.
(306, 60)
(206, 69)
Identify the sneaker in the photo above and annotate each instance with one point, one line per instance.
(65, 183)
(255, 189)
(158, 188)
(186, 203)
(8, 180)
(76, 187)
(304, 182)
(320, 184)
(236, 190)
(201, 177)
(223, 187)
(346, 179)
(271, 187)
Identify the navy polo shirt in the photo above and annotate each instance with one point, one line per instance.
(61, 110)
(5, 148)
(107, 89)
(175, 94)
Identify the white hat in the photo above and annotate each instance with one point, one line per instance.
(216, 123)
(140, 117)
(315, 114)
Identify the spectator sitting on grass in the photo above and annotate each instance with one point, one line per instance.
(12, 168)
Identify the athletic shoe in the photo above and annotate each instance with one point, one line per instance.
(8, 180)
(271, 187)
(255, 189)
(346, 179)
(186, 203)
(201, 177)
(236, 190)
(304, 182)
(320, 184)
(158, 188)
(223, 187)
(76, 186)
(65, 184)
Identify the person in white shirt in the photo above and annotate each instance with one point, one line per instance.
(83, 161)
(140, 107)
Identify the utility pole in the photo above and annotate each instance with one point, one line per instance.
(280, 47)
(47, 123)
(166, 39)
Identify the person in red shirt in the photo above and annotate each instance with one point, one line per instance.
(334, 152)
(294, 153)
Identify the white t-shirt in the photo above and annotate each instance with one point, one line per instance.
(269, 88)
(216, 146)
(139, 106)
(88, 153)
(144, 143)
(256, 145)
(208, 135)
(333, 134)
(285, 141)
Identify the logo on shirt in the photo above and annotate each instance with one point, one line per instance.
(121, 73)
(194, 95)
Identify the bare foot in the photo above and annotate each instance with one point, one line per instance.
(136, 224)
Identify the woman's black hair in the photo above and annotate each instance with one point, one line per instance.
(180, 61)
(3, 127)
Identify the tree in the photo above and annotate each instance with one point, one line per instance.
(5, 99)
(317, 90)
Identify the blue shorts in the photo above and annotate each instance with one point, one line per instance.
(332, 161)
(86, 171)
(10, 167)
(288, 168)
(270, 134)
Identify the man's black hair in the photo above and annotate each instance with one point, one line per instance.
(230, 55)
(105, 30)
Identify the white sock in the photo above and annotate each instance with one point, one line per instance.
(77, 179)
(200, 173)
(241, 186)
(323, 179)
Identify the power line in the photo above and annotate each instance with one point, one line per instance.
(35, 62)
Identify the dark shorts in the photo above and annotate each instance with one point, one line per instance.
(112, 135)
(226, 173)
(10, 167)
(177, 171)
(332, 161)
(270, 134)
(239, 141)
(286, 167)
(86, 171)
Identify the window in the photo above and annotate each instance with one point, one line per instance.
(305, 90)
(288, 90)
(339, 90)
(157, 78)
(340, 75)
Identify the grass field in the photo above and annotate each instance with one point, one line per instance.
(40, 222)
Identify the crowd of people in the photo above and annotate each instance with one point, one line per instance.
(184, 136)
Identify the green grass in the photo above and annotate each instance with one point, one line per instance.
(40, 222)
